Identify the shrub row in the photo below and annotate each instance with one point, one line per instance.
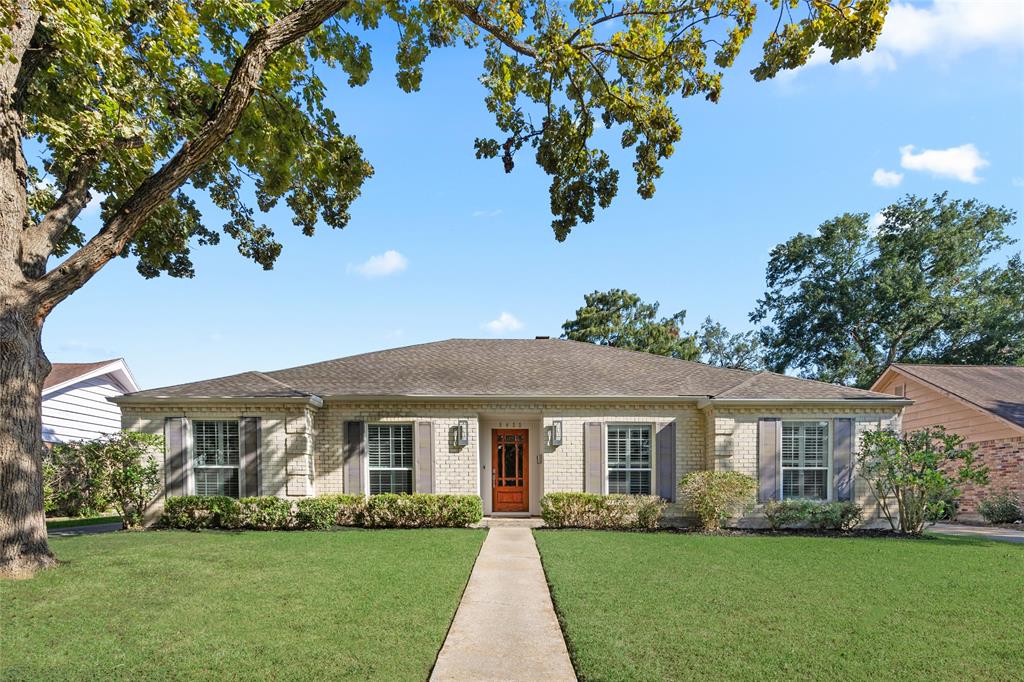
(587, 510)
(842, 516)
(1002, 507)
(272, 513)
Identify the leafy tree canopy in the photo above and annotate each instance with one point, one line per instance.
(619, 318)
(719, 347)
(928, 286)
(111, 89)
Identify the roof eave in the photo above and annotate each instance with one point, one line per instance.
(311, 400)
(827, 402)
(393, 397)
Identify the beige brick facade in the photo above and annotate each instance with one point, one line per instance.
(301, 445)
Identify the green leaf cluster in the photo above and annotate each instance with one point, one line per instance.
(118, 86)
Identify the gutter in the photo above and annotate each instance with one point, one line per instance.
(311, 400)
(825, 402)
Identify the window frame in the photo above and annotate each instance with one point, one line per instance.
(222, 440)
(653, 468)
(412, 457)
(829, 459)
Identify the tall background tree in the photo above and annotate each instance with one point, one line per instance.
(927, 286)
(719, 347)
(151, 103)
(620, 319)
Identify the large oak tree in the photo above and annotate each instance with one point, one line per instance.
(149, 102)
(929, 285)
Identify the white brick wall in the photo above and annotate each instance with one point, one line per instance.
(301, 447)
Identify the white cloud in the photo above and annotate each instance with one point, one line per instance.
(885, 178)
(506, 322)
(387, 263)
(942, 31)
(961, 162)
(487, 214)
(875, 221)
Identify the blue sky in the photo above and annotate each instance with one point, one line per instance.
(442, 245)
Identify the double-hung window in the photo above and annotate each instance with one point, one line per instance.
(215, 457)
(629, 459)
(805, 455)
(389, 449)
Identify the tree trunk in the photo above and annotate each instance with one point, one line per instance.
(23, 546)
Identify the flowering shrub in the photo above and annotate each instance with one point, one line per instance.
(1003, 507)
(715, 496)
(587, 510)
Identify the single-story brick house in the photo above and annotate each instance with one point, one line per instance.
(982, 403)
(509, 420)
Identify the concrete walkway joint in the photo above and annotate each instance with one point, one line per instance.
(505, 627)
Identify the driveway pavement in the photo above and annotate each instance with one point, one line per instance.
(505, 628)
(984, 532)
(84, 530)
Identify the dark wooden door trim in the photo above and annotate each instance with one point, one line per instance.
(510, 473)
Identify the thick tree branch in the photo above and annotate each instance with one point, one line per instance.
(38, 240)
(470, 11)
(66, 278)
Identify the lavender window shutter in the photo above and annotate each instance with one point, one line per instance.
(842, 460)
(768, 437)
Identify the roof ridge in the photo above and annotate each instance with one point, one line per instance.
(951, 364)
(752, 373)
(281, 383)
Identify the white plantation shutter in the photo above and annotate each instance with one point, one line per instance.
(805, 455)
(390, 454)
(628, 453)
(215, 455)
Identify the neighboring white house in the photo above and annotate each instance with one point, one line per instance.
(75, 405)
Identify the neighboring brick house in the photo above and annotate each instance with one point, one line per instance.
(982, 403)
(508, 420)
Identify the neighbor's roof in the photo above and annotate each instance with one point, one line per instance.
(549, 368)
(995, 389)
(63, 374)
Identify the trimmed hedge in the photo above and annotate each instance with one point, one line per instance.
(329, 510)
(192, 512)
(422, 511)
(587, 510)
(842, 516)
(272, 513)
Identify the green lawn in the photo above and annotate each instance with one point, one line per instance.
(674, 606)
(347, 604)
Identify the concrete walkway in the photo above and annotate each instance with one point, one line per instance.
(981, 532)
(505, 628)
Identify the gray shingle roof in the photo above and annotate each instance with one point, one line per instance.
(999, 390)
(510, 368)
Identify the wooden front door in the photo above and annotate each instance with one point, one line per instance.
(510, 464)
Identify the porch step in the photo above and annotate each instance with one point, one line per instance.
(510, 522)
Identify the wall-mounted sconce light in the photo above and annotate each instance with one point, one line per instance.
(555, 433)
(462, 433)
